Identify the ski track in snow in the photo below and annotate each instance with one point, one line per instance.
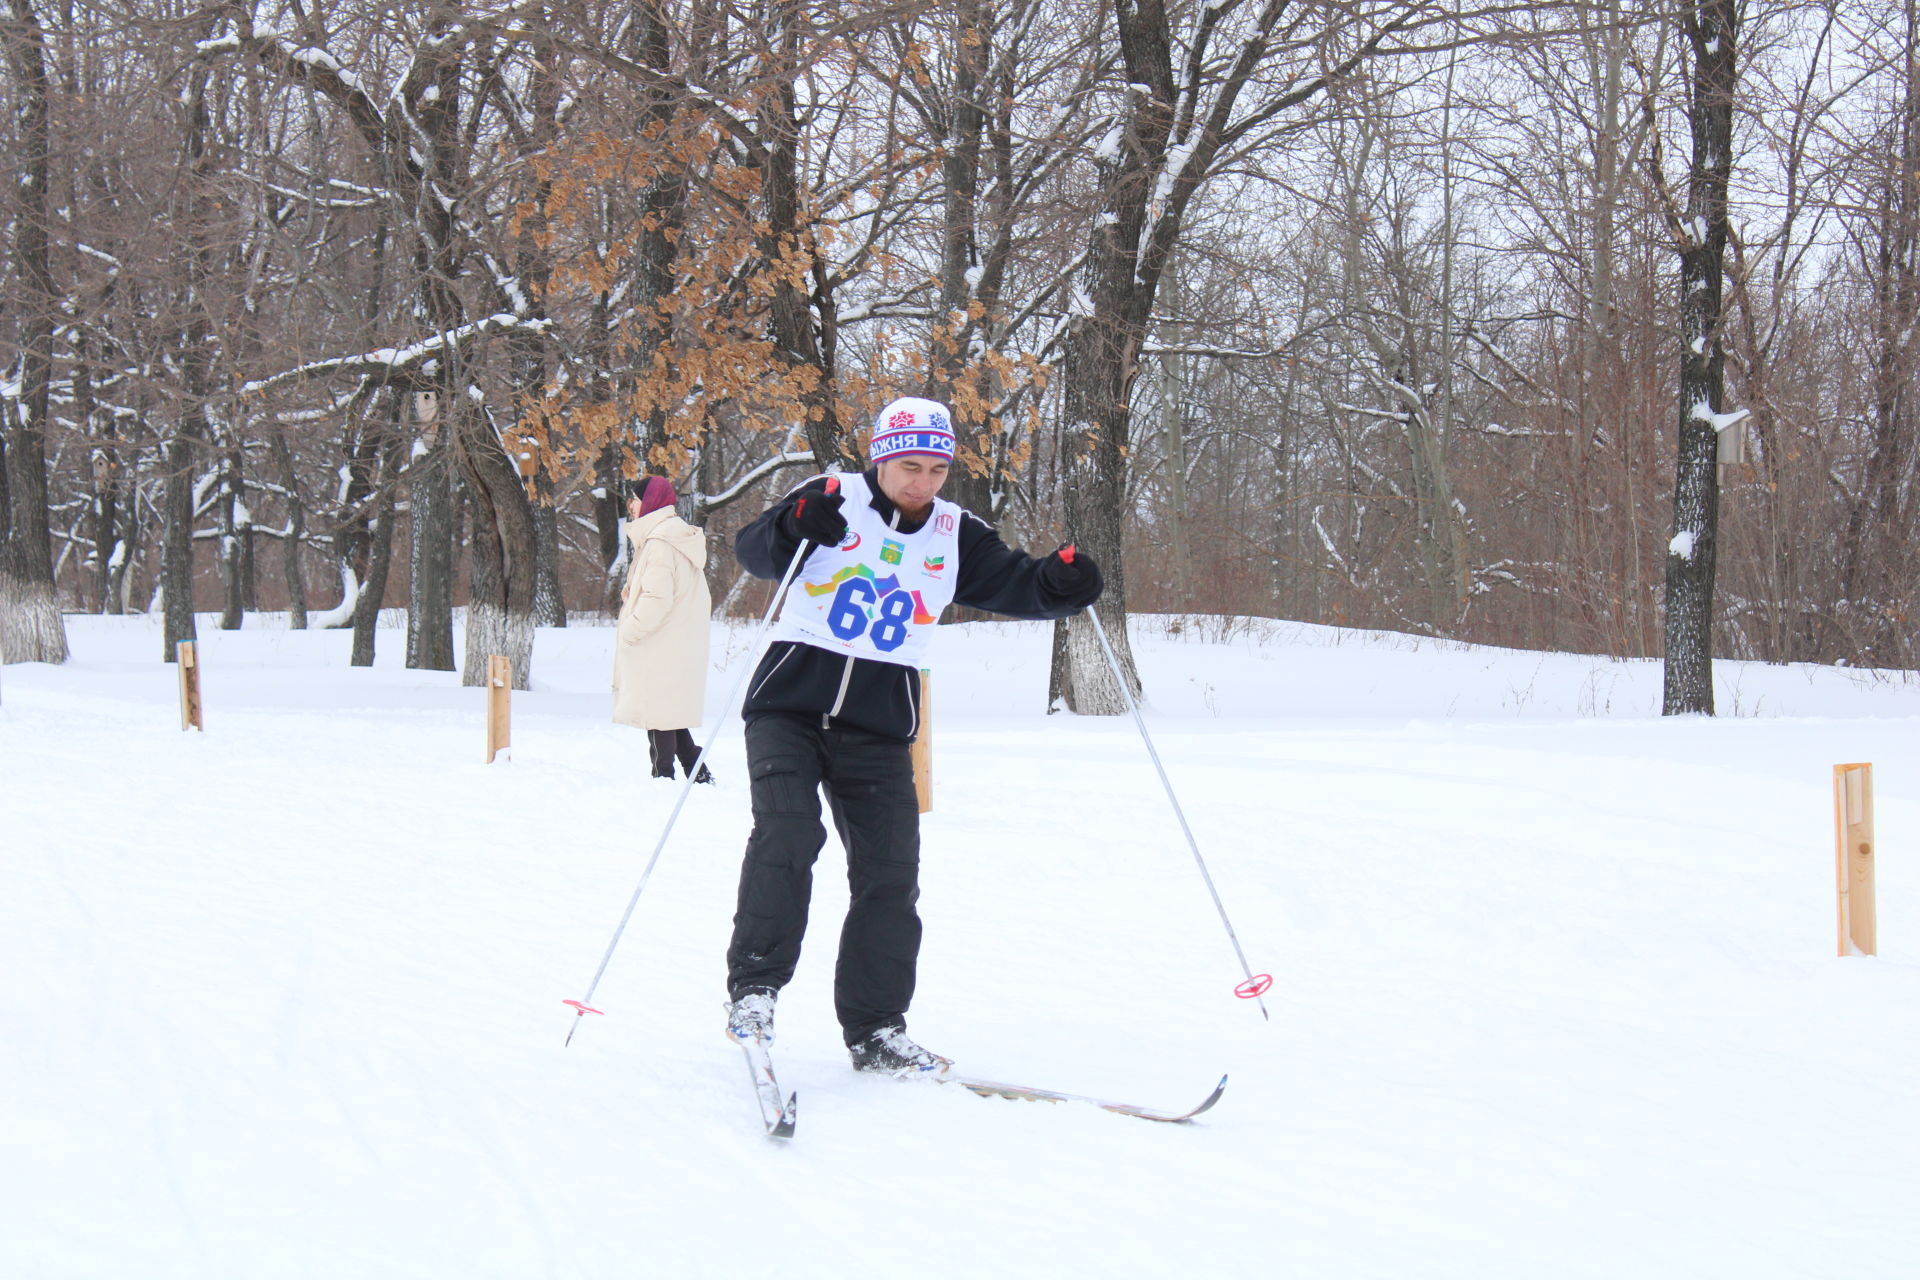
(1555, 986)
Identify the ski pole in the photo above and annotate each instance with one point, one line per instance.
(1256, 984)
(581, 1007)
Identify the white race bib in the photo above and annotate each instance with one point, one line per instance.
(877, 594)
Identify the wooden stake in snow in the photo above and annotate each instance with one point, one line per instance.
(189, 667)
(923, 745)
(499, 712)
(1853, 856)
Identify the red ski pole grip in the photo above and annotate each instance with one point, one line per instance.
(833, 484)
(1066, 554)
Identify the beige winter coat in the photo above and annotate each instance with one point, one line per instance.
(660, 649)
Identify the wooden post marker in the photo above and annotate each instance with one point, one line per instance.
(923, 745)
(1853, 856)
(499, 712)
(189, 666)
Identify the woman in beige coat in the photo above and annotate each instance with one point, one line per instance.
(660, 649)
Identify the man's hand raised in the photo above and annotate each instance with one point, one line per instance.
(816, 517)
(1071, 575)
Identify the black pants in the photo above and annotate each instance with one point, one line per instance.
(869, 782)
(665, 744)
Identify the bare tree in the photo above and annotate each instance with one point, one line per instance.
(1418, 350)
(196, 341)
(1699, 231)
(31, 629)
(1397, 333)
(425, 145)
(1878, 591)
(1003, 90)
(1180, 116)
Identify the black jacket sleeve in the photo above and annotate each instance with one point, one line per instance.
(766, 546)
(999, 579)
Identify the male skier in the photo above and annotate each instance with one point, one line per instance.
(836, 703)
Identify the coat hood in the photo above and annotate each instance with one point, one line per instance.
(665, 527)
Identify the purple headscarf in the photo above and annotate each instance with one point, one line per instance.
(657, 493)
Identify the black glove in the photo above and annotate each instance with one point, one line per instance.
(1071, 575)
(816, 517)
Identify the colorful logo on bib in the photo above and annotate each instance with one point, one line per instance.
(891, 551)
(849, 542)
(833, 584)
(935, 564)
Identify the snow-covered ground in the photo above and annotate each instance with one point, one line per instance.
(1556, 992)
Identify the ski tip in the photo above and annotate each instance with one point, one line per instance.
(1211, 1099)
(783, 1127)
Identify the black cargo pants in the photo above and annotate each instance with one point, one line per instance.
(870, 791)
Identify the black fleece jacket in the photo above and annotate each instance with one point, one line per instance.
(883, 697)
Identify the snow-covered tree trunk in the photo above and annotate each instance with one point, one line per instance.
(609, 515)
(549, 602)
(1106, 328)
(234, 522)
(1097, 419)
(430, 553)
(500, 608)
(103, 476)
(31, 629)
(296, 578)
(355, 503)
(1439, 531)
(193, 428)
(428, 105)
(104, 526)
(533, 357)
(373, 589)
(176, 539)
(1711, 26)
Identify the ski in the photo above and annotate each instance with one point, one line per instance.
(995, 1089)
(779, 1116)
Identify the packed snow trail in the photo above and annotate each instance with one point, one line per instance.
(1556, 991)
